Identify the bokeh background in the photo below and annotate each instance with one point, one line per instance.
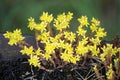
(15, 13)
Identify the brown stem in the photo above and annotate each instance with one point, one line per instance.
(56, 59)
(113, 77)
(85, 59)
(50, 30)
(119, 72)
(98, 74)
(52, 61)
(77, 41)
(35, 33)
(64, 63)
(108, 59)
(24, 43)
(21, 46)
(43, 68)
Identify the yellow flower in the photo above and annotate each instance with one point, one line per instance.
(43, 37)
(61, 43)
(70, 36)
(68, 48)
(38, 52)
(95, 51)
(100, 33)
(95, 68)
(49, 48)
(27, 51)
(7, 34)
(81, 31)
(69, 16)
(114, 51)
(118, 49)
(12, 42)
(34, 60)
(102, 56)
(116, 62)
(109, 49)
(41, 27)
(69, 57)
(93, 27)
(95, 41)
(81, 49)
(32, 23)
(84, 41)
(66, 57)
(62, 21)
(74, 59)
(83, 21)
(110, 72)
(95, 21)
(46, 17)
(14, 37)
(47, 56)
(58, 37)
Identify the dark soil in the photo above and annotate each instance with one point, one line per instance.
(18, 70)
(21, 70)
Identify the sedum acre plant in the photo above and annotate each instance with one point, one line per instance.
(64, 46)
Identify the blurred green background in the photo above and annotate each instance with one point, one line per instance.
(15, 13)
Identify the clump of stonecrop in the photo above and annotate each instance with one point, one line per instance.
(65, 46)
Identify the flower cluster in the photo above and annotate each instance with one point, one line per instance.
(45, 20)
(14, 37)
(64, 47)
(62, 21)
